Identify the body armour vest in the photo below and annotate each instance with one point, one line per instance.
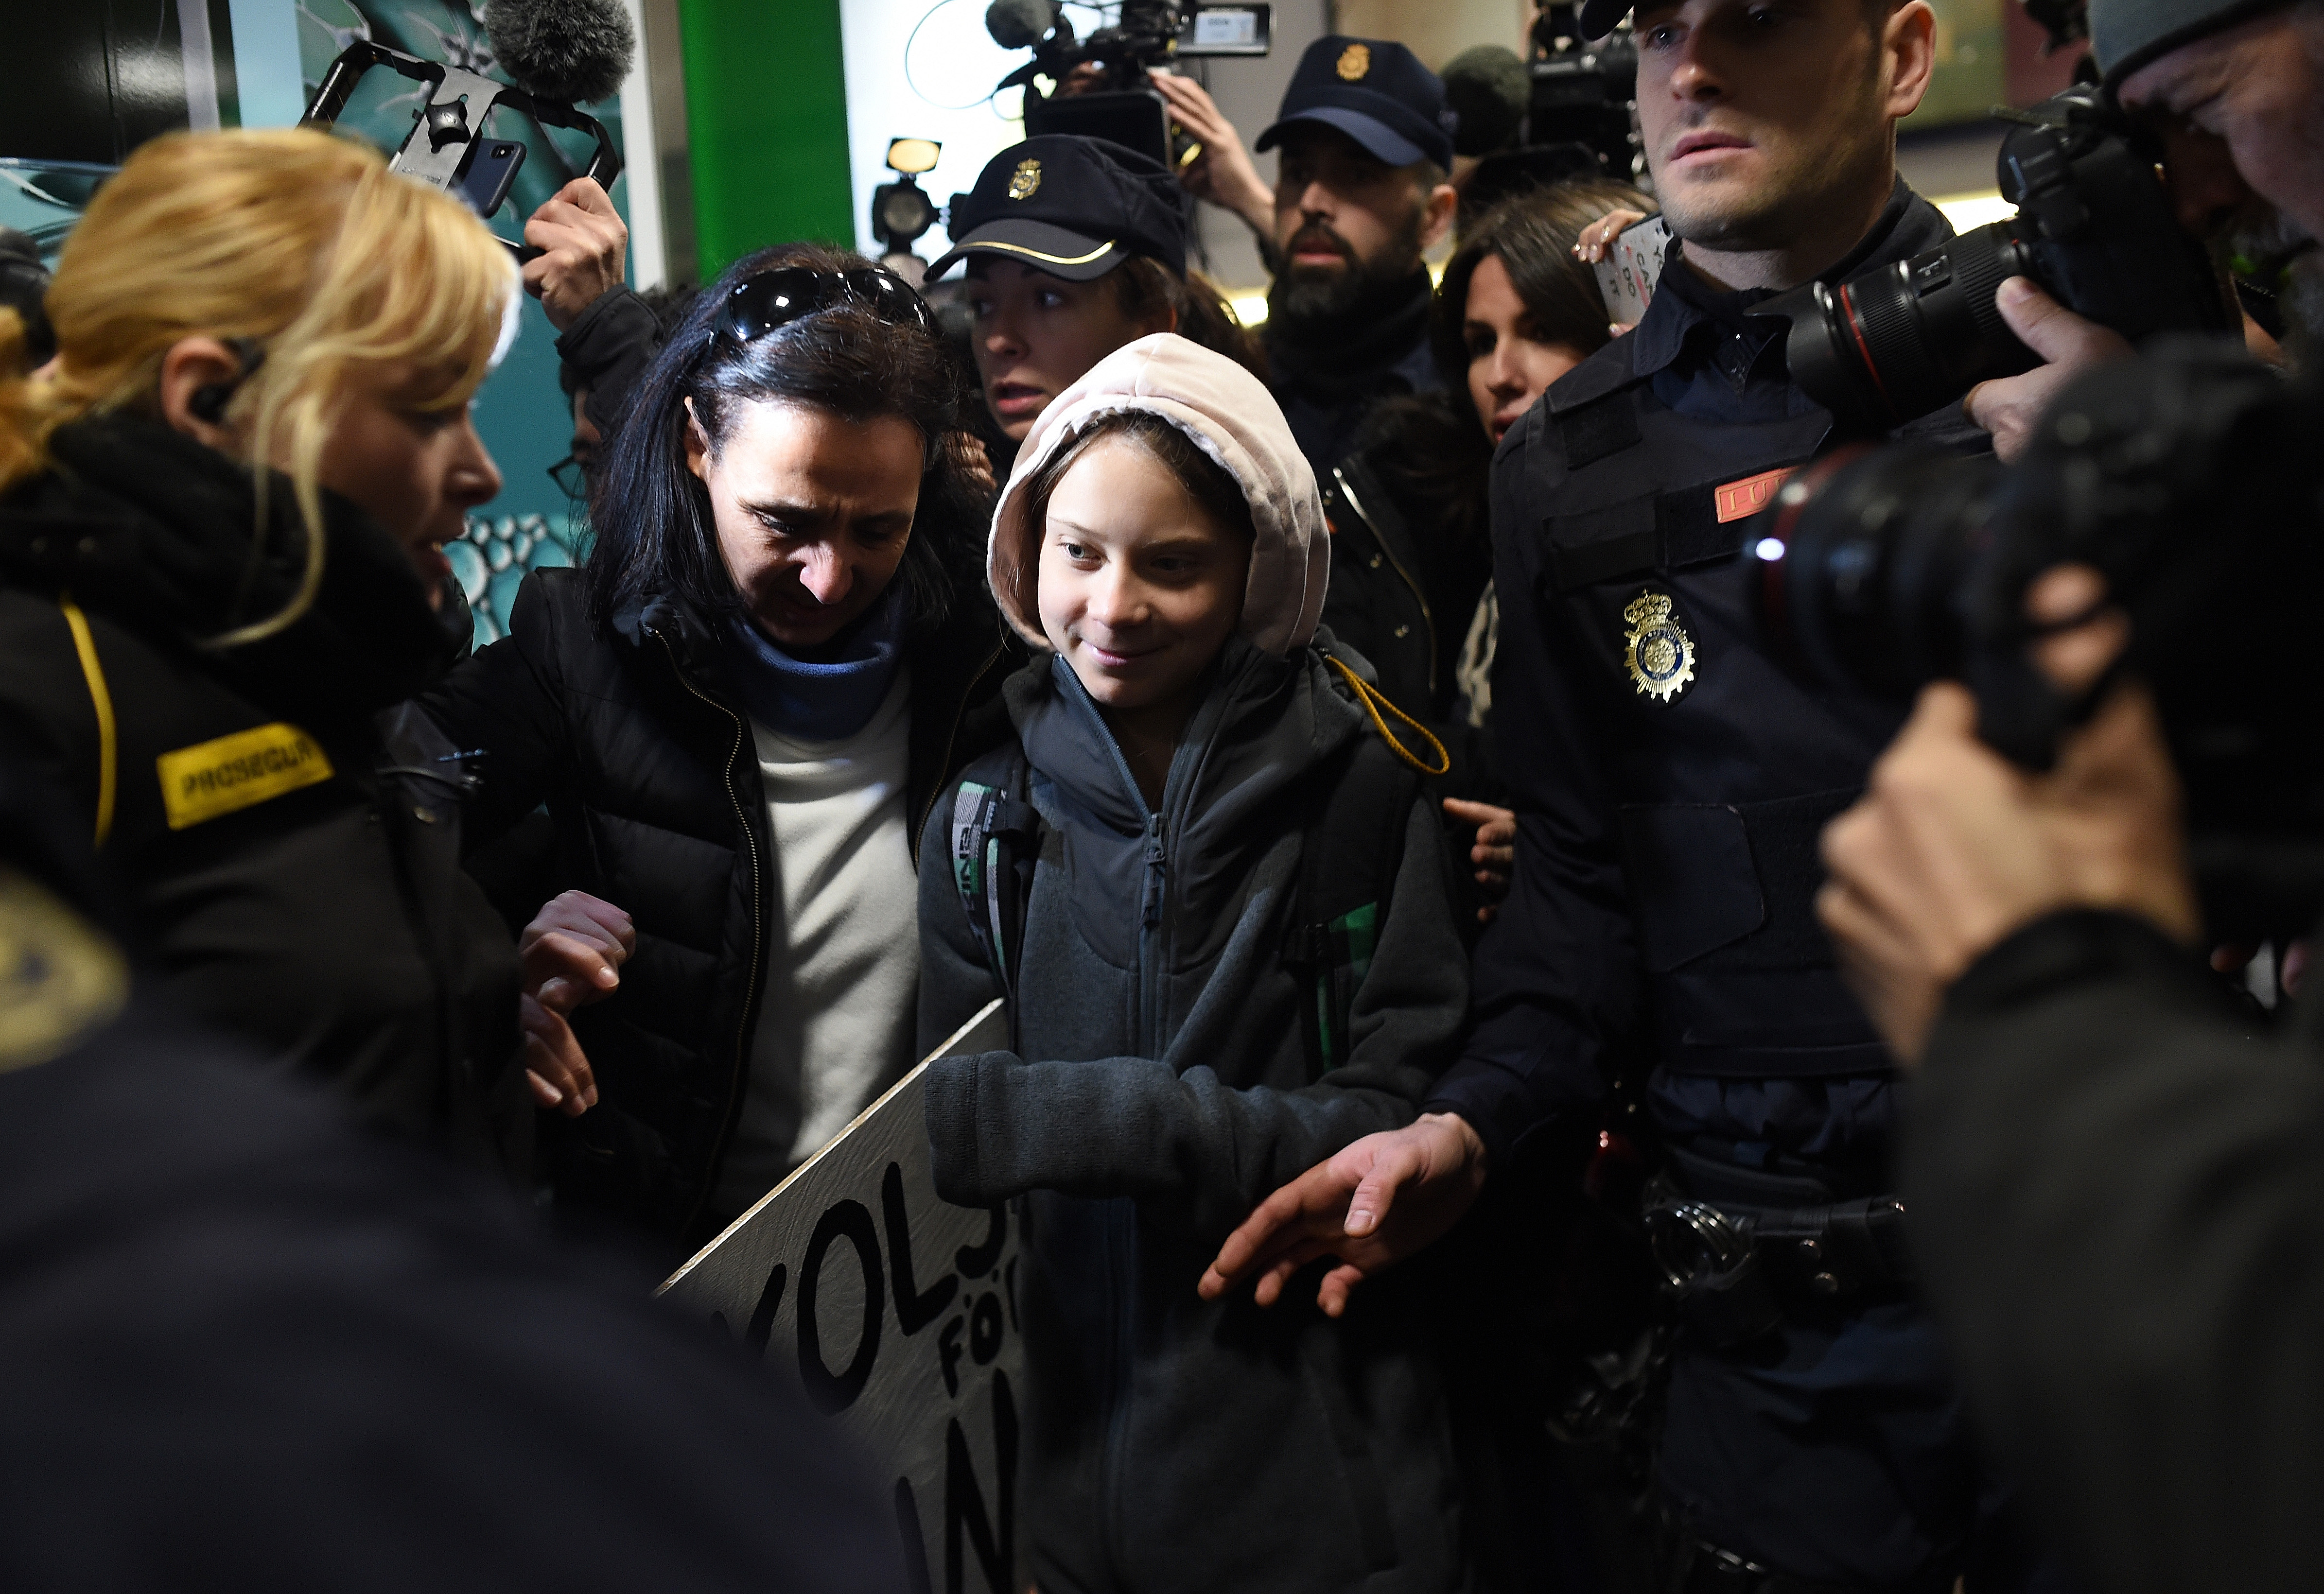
(1640, 478)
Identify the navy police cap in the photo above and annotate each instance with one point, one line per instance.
(1376, 93)
(1071, 206)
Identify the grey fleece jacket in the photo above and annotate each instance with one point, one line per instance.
(1163, 1091)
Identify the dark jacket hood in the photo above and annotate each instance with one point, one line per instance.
(153, 528)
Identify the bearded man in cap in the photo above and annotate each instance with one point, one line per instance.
(1360, 194)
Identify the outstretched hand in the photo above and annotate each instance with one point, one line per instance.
(1374, 1203)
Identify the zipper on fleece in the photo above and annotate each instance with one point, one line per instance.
(758, 937)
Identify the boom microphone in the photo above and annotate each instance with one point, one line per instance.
(572, 51)
(1018, 24)
(1489, 87)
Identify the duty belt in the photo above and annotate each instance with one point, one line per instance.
(1691, 1565)
(1733, 1269)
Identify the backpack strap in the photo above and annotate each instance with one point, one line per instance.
(1350, 853)
(996, 840)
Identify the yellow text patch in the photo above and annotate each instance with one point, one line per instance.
(215, 777)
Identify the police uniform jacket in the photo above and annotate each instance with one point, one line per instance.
(287, 841)
(1671, 779)
(1672, 776)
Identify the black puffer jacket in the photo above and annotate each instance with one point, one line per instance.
(645, 760)
(287, 842)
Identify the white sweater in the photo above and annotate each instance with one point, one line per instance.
(835, 1019)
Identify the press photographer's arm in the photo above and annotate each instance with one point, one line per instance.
(2114, 1186)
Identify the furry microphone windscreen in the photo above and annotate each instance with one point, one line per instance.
(1488, 86)
(571, 51)
(1020, 25)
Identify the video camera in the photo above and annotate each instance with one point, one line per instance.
(1582, 94)
(563, 52)
(2190, 480)
(1122, 106)
(2094, 227)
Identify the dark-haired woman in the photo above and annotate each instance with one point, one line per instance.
(1075, 246)
(1412, 564)
(737, 713)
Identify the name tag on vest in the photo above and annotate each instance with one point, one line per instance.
(1749, 495)
(212, 778)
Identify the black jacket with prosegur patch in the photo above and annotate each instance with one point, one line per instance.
(287, 845)
(1163, 1089)
(643, 755)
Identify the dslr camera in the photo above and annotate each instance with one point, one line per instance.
(2094, 227)
(2190, 480)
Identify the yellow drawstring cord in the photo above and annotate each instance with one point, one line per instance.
(1369, 696)
(108, 752)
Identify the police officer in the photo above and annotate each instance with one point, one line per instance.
(1672, 779)
(1360, 195)
(1075, 246)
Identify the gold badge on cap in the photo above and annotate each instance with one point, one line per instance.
(1355, 61)
(1026, 180)
(1661, 654)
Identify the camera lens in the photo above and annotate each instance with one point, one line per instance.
(1866, 563)
(1898, 342)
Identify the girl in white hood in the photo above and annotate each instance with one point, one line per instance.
(1222, 909)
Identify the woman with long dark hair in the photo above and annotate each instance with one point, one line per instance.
(737, 712)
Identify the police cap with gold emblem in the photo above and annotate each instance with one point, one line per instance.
(1071, 206)
(1376, 92)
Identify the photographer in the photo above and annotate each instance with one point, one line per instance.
(1657, 969)
(2114, 1181)
(2230, 88)
(1360, 195)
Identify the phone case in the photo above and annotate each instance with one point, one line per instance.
(1627, 275)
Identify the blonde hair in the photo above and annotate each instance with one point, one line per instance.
(298, 242)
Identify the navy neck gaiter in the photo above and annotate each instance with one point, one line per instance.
(819, 702)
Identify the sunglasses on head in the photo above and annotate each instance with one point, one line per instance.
(776, 297)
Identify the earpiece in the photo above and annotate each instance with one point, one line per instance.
(209, 401)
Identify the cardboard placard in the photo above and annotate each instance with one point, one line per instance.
(898, 1312)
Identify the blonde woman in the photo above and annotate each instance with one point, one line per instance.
(221, 513)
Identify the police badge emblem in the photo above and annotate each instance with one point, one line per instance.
(1661, 655)
(1354, 62)
(1026, 180)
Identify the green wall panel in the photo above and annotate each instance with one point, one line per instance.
(765, 113)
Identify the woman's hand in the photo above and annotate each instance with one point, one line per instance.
(555, 1065)
(572, 949)
(1495, 853)
(1598, 236)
